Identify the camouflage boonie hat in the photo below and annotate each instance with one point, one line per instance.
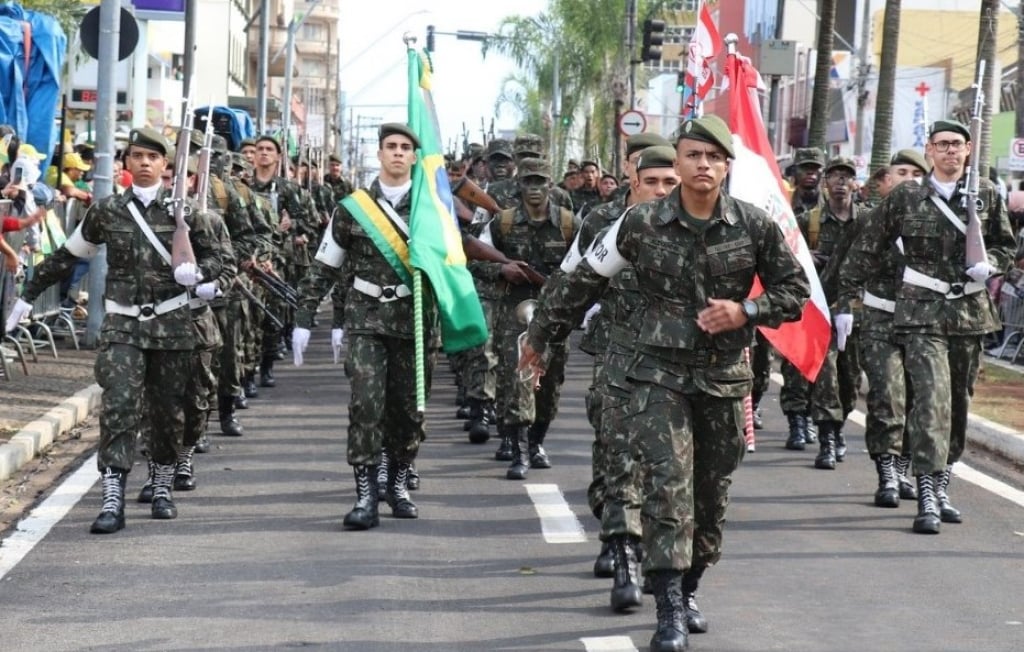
(150, 139)
(196, 138)
(708, 129)
(529, 145)
(500, 147)
(239, 162)
(809, 156)
(219, 144)
(534, 167)
(842, 162)
(475, 151)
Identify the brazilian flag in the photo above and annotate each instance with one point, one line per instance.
(435, 243)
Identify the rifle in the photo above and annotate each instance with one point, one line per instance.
(277, 287)
(975, 250)
(259, 304)
(203, 168)
(181, 246)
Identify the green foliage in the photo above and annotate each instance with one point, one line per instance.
(69, 13)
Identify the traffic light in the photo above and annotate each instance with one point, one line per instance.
(430, 38)
(680, 82)
(654, 36)
(566, 120)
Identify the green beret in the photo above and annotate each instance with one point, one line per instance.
(642, 141)
(392, 128)
(708, 129)
(334, 158)
(247, 142)
(500, 147)
(150, 139)
(528, 144)
(809, 156)
(911, 157)
(842, 162)
(269, 138)
(949, 125)
(658, 156)
(533, 167)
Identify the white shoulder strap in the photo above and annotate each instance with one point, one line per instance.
(397, 219)
(148, 232)
(948, 212)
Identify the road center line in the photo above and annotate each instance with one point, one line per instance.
(557, 521)
(37, 524)
(608, 644)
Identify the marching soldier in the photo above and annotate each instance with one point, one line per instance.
(339, 185)
(148, 340)
(695, 253)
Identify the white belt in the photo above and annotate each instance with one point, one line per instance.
(878, 303)
(950, 290)
(195, 303)
(384, 293)
(146, 311)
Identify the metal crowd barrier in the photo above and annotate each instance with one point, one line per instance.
(1011, 312)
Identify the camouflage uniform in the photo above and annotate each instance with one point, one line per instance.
(685, 418)
(339, 186)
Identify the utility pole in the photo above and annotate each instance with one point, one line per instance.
(631, 50)
(1019, 108)
(773, 94)
(863, 70)
(189, 55)
(261, 68)
(556, 114)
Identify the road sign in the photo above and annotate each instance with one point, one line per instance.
(632, 123)
(1017, 155)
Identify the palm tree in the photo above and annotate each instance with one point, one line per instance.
(987, 30)
(881, 140)
(822, 76)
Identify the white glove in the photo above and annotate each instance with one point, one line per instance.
(207, 291)
(594, 309)
(844, 326)
(980, 272)
(336, 337)
(300, 340)
(19, 311)
(187, 274)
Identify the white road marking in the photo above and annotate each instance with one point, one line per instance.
(37, 524)
(960, 469)
(557, 521)
(608, 644)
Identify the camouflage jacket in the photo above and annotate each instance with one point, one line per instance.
(223, 197)
(340, 187)
(288, 196)
(934, 247)
(263, 232)
(679, 268)
(363, 314)
(595, 340)
(136, 273)
(208, 335)
(585, 200)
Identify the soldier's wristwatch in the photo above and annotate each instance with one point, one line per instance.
(750, 310)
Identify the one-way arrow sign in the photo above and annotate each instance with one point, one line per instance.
(632, 123)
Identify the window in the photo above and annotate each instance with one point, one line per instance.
(313, 32)
(681, 5)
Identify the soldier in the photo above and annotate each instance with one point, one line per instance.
(587, 196)
(942, 308)
(339, 185)
(379, 325)
(695, 254)
(147, 339)
(834, 393)
(795, 395)
(248, 150)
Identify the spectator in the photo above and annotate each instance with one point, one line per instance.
(607, 186)
(71, 183)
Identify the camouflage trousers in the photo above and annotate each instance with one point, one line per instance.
(687, 446)
(795, 394)
(382, 407)
(834, 393)
(761, 365)
(881, 357)
(134, 380)
(941, 371)
(231, 358)
(593, 401)
(480, 370)
(518, 403)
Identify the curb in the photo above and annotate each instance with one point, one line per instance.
(37, 435)
(997, 438)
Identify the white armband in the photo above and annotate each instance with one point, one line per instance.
(573, 257)
(329, 252)
(78, 246)
(604, 255)
(485, 234)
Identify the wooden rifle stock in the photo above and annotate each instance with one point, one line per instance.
(203, 168)
(975, 249)
(467, 190)
(181, 246)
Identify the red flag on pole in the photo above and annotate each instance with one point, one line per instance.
(755, 178)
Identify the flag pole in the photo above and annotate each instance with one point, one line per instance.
(417, 282)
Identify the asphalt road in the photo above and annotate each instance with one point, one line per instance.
(258, 560)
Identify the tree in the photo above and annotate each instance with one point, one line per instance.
(822, 76)
(987, 30)
(68, 13)
(881, 140)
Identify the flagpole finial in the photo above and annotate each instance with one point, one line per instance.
(730, 41)
(409, 39)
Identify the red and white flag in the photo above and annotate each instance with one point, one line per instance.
(755, 178)
(704, 47)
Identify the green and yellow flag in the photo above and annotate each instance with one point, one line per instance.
(435, 243)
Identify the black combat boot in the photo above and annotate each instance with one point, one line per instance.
(506, 451)
(671, 635)
(927, 520)
(413, 482)
(203, 445)
(604, 565)
(947, 512)
(229, 425)
(383, 473)
(840, 443)
(626, 587)
(111, 518)
(184, 476)
(241, 403)
(810, 430)
(364, 514)
(479, 429)
(826, 458)
(536, 434)
(465, 411)
(460, 396)
(755, 400)
(249, 385)
(267, 373)
(146, 493)
(797, 428)
(520, 455)
(696, 623)
(398, 492)
(888, 492)
(907, 489)
(163, 501)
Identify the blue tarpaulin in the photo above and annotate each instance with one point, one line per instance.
(234, 125)
(28, 102)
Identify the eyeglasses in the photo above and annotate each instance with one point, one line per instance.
(946, 145)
